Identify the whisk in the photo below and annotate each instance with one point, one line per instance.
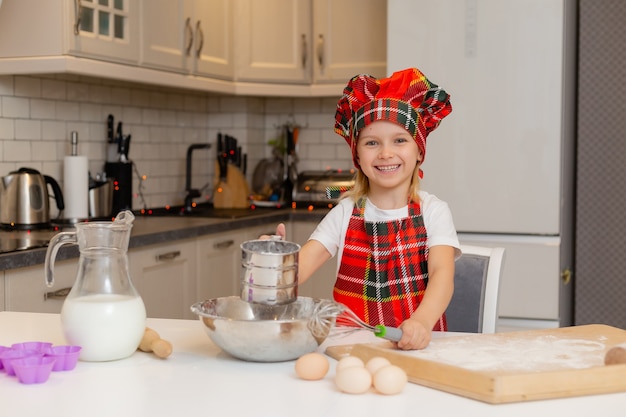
(329, 313)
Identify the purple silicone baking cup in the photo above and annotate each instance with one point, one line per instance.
(65, 357)
(38, 346)
(11, 355)
(33, 370)
(3, 349)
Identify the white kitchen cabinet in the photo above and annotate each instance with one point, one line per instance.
(321, 284)
(101, 29)
(310, 41)
(219, 260)
(165, 277)
(189, 36)
(25, 289)
(219, 264)
(349, 38)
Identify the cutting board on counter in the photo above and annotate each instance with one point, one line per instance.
(509, 367)
(233, 192)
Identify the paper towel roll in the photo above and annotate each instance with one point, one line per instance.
(76, 187)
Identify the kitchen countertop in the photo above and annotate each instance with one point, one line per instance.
(199, 379)
(150, 230)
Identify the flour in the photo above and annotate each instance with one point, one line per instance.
(542, 353)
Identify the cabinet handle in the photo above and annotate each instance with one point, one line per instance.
(320, 51)
(201, 37)
(78, 8)
(168, 256)
(189, 36)
(304, 51)
(223, 244)
(58, 294)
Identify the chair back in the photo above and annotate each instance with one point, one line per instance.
(474, 305)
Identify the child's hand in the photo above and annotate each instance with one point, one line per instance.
(414, 335)
(280, 231)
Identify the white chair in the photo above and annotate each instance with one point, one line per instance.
(474, 305)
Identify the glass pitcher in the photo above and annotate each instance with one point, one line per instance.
(103, 313)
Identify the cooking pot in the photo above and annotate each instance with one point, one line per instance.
(24, 199)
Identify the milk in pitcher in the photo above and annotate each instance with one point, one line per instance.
(106, 326)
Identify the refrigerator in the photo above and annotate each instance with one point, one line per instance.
(504, 158)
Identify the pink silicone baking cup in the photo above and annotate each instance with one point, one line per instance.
(65, 357)
(38, 346)
(11, 355)
(33, 370)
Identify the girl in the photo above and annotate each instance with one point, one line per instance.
(396, 245)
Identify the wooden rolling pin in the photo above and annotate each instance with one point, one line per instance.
(616, 355)
(152, 342)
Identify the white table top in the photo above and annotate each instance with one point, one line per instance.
(199, 378)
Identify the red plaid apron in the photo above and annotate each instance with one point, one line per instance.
(384, 268)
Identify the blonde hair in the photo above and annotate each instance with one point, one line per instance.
(362, 186)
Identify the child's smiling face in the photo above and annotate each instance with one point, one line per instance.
(387, 154)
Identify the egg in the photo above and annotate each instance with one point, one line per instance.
(349, 361)
(389, 380)
(375, 363)
(353, 380)
(312, 366)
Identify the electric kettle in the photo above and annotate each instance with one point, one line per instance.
(24, 199)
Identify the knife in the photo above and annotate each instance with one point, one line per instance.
(124, 148)
(110, 132)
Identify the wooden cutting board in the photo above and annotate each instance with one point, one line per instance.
(233, 192)
(510, 367)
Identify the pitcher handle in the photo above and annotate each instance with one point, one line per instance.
(58, 240)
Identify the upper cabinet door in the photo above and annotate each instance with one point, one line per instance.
(213, 37)
(273, 40)
(167, 32)
(104, 29)
(349, 38)
(190, 36)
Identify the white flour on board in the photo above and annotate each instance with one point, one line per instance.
(522, 354)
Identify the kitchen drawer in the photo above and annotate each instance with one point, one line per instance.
(165, 276)
(25, 289)
(219, 264)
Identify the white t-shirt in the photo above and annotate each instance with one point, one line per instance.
(331, 231)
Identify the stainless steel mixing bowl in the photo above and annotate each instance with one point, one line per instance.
(260, 332)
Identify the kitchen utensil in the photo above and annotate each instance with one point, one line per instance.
(122, 174)
(101, 198)
(267, 177)
(345, 321)
(103, 313)
(66, 357)
(123, 148)
(24, 199)
(33, 370)
(509, 367)
(260, 332)
(231, 191)
(112, 144)
(8, 356)
(41, 347)
(269, 271)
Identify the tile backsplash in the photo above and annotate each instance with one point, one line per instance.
(38, 114)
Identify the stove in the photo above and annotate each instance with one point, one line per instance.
(15, 244)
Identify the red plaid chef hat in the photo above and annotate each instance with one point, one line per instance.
(406, 98)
